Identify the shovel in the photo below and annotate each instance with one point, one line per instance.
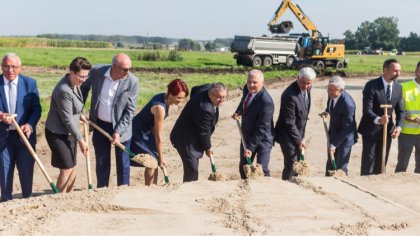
(301, 167)
(328, 143)
(165, 174)
(215, 176)
(144, 159)
(33, 154)
(89, 175)
(249, 169)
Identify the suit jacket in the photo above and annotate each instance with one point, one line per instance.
(65, 109)
(290, 126)
(373, 97)
(342, 131)
(257, 121)
(196, 123)
(124, 103)
(28, 107)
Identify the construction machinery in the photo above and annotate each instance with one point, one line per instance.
(291, 49)
(315, 49)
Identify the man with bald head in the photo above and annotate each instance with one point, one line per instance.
(114, 100)
(256, 109)
(18, 95)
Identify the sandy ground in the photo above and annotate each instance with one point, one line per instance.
(312, 205)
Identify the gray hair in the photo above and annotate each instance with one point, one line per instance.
(256, 73)
(338, 82)
(217, 86)
(11, 55)
(308, 73)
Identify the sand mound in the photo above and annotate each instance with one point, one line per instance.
(301, 168)
(217, 177)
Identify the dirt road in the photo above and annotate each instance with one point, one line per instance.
(314, 205)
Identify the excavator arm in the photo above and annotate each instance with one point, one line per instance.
(304, 20)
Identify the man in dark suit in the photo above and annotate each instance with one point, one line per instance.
(383, 90)
(18, 95)
(191, 134)
(291, 123)
(342, 130)
(256, 109)
(114, 99)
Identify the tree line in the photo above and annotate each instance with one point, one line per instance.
(382, 33)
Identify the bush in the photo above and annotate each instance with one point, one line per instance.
(151, 56)
(175, 56)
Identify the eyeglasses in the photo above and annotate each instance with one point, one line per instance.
(125, 70)
(82, 77)
(6, 67)
(219, 98)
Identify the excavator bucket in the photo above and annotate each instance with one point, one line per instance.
(282, 28)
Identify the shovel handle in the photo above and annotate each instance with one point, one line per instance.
(302, 154)
(238, 123)
(86, 131)
(165, 174)
(213, 166)
(118, 144)
(33, 154)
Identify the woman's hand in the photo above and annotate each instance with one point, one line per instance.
(83, 147)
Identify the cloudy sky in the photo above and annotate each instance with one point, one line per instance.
(195, 19)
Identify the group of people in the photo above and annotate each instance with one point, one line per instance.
(114, 91)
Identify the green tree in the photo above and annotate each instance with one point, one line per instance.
(350, 40)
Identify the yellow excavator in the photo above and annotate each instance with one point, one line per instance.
(315, 49)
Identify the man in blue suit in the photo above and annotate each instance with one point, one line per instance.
(256, 109)
(114, 99)
(191, 134)
(342, 131)
(291, 124)
(18, 95)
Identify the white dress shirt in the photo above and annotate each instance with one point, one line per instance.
(106, 97)
(6, 89)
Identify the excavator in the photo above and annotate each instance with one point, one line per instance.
(315, 49)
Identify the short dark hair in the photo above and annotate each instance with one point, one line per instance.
(80, 63)
(418, 65)
(388, 62)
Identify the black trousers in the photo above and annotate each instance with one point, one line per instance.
(372, 154)
(190, 156)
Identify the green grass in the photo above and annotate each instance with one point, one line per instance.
(45, 59)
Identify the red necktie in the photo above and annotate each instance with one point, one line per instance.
(246, 103)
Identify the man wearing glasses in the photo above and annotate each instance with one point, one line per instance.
(114, 100)
(191, 134)
(256, 109)
(18, 95)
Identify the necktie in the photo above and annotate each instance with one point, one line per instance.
(12, 98)
(246, 103)
(305, 98)
(388, 94)
(331, 105)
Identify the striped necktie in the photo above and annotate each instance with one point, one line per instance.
(388, 94)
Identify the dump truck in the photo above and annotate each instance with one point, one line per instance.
(264, 51)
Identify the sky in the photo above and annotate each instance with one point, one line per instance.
(195, 19)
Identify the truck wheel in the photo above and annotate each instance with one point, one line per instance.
(289, 61)
(320, 65)
(256, 61)
(267, 61)
(339, 65)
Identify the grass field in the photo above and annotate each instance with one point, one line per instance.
(47, 65)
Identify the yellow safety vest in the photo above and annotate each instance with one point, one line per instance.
(411, 95)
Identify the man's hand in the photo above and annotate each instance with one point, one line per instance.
(209, 152)
(236, 116)
(383, 120)
(116, 138)
(324, 114)
(247, 153)
(6, 118)
(395, 133)
(26, 129)
(302, 145)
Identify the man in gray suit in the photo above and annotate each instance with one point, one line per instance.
(114, 100)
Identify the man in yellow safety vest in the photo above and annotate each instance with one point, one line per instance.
(410, 132)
